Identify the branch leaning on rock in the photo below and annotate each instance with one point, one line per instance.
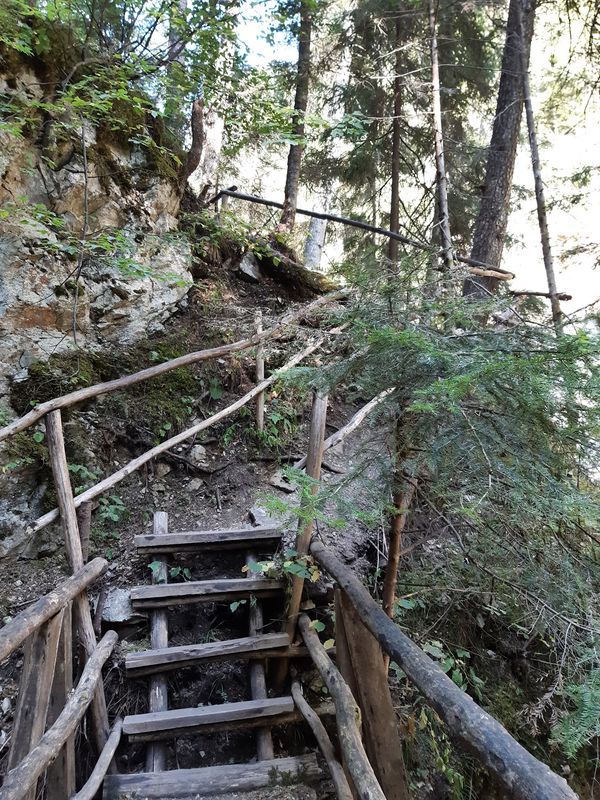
(78, 396)
(136, 463)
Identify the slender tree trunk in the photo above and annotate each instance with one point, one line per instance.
(313, 249)
(539, 193)
(393, 245)
(490, 227)
(292, 180)
(440, 160)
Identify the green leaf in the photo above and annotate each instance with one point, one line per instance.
(317, 625)
(38, 437)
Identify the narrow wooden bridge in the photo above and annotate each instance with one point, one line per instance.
(367, 763)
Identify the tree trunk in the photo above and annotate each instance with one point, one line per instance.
(393, 244)
(440, 160)
(313, 249)
(288, 217)
(490, 227)
(539, 188)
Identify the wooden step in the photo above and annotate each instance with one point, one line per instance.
(192, 541)
(169, 658)
(210, 781)
(216, 591)
(183, 721)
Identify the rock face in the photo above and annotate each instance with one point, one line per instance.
(125, 279)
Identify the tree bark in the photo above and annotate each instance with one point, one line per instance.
(195, 152)
(292, 180)
(440, 159)
(393, 245)
(490, 227)
(313, 249)
(540, 198)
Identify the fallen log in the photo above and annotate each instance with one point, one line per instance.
(136, 463)
(98, 389)
(20, 779)
(342, 789)
(15, 632)
(519, 772)
(347, 715)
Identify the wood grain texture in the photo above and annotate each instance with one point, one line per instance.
(21, 779)
(347, 715)
(156, 754)
(169, 658)
(214, 591)
(258, 678)
(178, 721)
(192, 541)
(517, 770)
(34, 692)
(90, 788)
(208, 781)
(14, 633)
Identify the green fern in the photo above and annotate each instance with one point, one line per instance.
(582, 724)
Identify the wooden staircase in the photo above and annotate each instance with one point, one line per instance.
(260, 712)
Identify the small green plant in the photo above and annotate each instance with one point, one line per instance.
(455, 663)
(112, 508)
(82, 473)
(180, 572)
(237, 604)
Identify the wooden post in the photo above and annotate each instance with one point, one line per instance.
(260, 375)
(258, 683)
(380, 726)
(347, 716)
(344, 664)
(68, 516)
(60, 776)
(34, 692)
(305, 532)
(84, 522)
(156, 755)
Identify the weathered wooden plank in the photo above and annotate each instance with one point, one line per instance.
(170, 658)
(258, 680)
(60, 775)
(156, 754)
(208, 781)
(14, 633)
(34, 691)
(380, 726)
(214, 591)
(21, 779)
(178, 721)
(191, 541)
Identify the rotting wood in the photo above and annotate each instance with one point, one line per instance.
(258, 681)
(519, 772)
(90, 788)
(350, 426)
(59, 780)
(192, 541)
(181, 721)
(22, 778)
(476, 267)
(136, 463)
(34, 692)
(380, 726)
(170, 658)
(347, 715)
(14, 633)
(81, 606)
(214, 591)
(156, 754)
(342, 788)
(89, 392)
(260, 375)
(209, 781)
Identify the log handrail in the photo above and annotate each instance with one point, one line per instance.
(23, 777)
(519, 772)
(15, 632)
(136, 463)
(87, 393)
